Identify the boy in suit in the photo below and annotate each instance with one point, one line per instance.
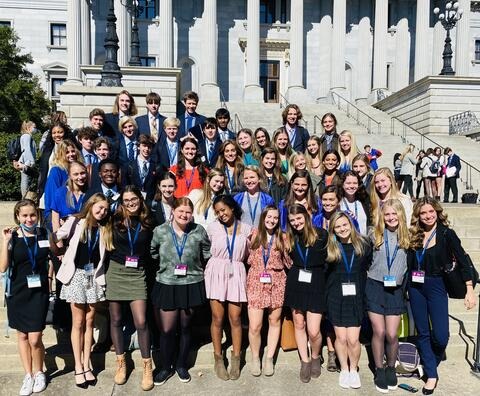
(167, 148)
(223, 119)
(190, 117)
(151, 124)
(141, 172)
(124, 106)
(208, 140)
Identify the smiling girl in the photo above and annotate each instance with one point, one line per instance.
(271, 173)
(348, 150)
(230, 160)
(330, 176)
(245, 141)
(163, 200)
(355, 200)
(361, 165)
(282, 144)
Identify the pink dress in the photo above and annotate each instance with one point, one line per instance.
(267, 295)
(220, 282)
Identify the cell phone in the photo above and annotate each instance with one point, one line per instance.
(408, 388)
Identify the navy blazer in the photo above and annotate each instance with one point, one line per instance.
(133, 177)
(455, 161)
(199, 119)
(230, 135)
(301, 139)
(110, 124)
(197, 132)
(143, 123)
(160, 154)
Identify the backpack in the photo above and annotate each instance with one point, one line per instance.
(408, 359)
(14, 150)
(435, 166)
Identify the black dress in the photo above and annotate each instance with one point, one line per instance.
(27, 307)
(347, 311)
(308, 296)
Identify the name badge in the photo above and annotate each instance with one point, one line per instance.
(418, 276)
(180, 270)
(305, 276)
(44, 244)
(33, 281)
(131, 261)
(230, 269)
(349, 289)
(389, 281)
(265, 277)
(89, 269)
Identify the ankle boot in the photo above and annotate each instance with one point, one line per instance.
(121, 372)
(234, 367)
(219, 368)
(147, 378)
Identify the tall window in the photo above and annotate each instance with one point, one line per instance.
(477, 50)
(148, 61)
(58, 34)
(267, 11)
(148, 9)
(56, 83)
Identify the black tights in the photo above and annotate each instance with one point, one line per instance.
(384, 339)
(138, 308)
(168, 337)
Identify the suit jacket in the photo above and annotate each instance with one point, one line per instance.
(199, 119)
(110, 124)
(143, 123)
(455, 161)
(335, 143)
(160, 154)
(230, 134)
(122, 157)
(301, 138)
(197, 131)
(149, 184)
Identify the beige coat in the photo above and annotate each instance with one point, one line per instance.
(67, 269)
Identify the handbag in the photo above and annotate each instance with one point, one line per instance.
(470, 198)
(287, 340)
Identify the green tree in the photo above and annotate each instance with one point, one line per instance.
(21, 97)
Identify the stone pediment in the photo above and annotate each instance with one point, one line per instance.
(54, 66)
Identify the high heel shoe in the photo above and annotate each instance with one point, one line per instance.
(426, 391)
(91, 382)
(83, 385)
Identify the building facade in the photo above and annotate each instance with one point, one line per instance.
(254, 50)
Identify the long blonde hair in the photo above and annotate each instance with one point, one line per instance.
(347, 158)
(408, 149)
(207, 194)
(261, 238)
(308, 235)
(375, 199)
(70, 187)
(417, 231)
(60, 158)
(359, 242)
(402, 230)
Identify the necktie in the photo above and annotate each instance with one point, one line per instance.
(144, 171)
(109, 194)
(154, 130)
(210, 151)
(190, 121)
(131, 152)
(88, 159)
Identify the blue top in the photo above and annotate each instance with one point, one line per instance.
(56, 179)
(62, 207)
(248, 159)
(317, 217)
(265, 200)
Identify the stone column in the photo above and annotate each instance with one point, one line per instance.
(166, 33)
(402, 55)
(209, 89)
(74, 44)
(337, 78)
(380, 45)
(123, 33)
(422, 39)
(462, 41)
(364, 58)
(86, 33)
(324, 68)
(253, 92)
(438, 41)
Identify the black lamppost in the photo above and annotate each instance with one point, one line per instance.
(448, 19)
(135, 11)
(111, 75)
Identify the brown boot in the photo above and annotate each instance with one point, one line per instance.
(220, 369)
(147, 379)
(121, 372)
(234, 367)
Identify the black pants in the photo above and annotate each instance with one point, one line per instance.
(419, 186)
(407, 185)
(450, 183)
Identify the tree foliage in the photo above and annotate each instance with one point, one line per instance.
(21, 97)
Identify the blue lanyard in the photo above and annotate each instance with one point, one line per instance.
(387, 249)
(130, 242)
(77, 205)
(345, 202)
(206, 212)
(179, 248)
(91, 247)
(254, 212)
(229, 178)
(172, 153)
(32, 255)
(267, 256)
(190, 181)
(348, 268)
(303, 257)
(231, 244)
(421, 256)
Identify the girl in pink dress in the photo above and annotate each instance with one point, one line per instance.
(266, 286)
(225, 279)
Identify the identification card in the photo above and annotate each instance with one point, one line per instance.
(44, 244)
(418, 276)
(305, 276)
(389, 281)
(230, 269)
(89, 269)
(131, 261)
(265, 277)
(349, 289)
(33, 281)
(180, 270)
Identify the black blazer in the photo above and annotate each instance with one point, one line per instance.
(199, 119)
(335, 143)
(143, 124)
(98, 189)
(301, 138)
(133, 177)
(110, 124)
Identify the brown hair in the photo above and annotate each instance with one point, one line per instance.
(287, 108)
(20, 204)
(417, 231)
(132, 110)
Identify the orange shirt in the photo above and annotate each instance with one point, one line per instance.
(188, 182)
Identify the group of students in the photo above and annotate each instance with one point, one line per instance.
(193, 213)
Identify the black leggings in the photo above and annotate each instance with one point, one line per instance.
(169, 325)
(138, 308)
(407, 185)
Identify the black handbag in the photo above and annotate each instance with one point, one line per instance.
(452, 277)
(470, 198)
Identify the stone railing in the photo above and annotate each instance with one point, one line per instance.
(462, 123)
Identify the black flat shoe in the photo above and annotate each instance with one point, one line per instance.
(90, 382)
(426, 391)
(83, 385)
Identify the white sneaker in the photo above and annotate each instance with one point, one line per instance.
(354, 380)
(344, 379)
(39, 382)
(27, 386)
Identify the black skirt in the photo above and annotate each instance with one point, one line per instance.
(170, 297)
(384, 300)
(303, 296)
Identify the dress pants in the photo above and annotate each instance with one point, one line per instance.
(450, 184)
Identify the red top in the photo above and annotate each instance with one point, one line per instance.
(188, 182)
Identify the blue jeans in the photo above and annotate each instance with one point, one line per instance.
(429, 303)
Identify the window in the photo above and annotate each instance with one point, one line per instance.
(267, 11)
(56, 83)
(283, 11)
(148, 61)
(58, 34)
(147, 9)
(477, 50)
(6, 23)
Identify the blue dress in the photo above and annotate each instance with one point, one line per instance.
(64, 208)
(56, 179)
